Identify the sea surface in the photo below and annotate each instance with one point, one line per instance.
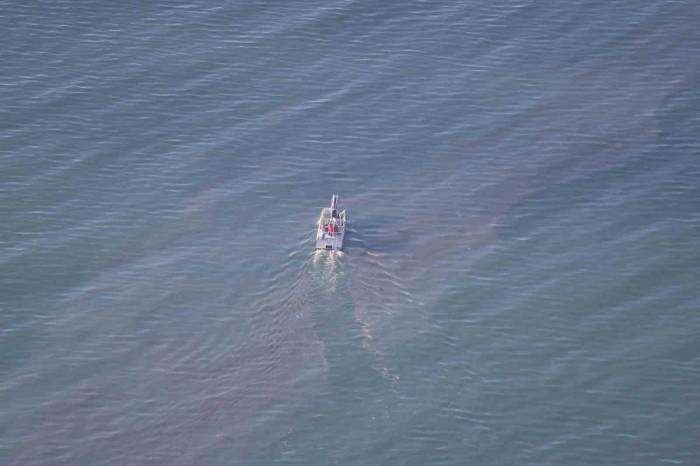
(521, 278)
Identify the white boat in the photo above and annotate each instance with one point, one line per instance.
(330, 228)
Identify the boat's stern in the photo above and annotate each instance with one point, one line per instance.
(330, 243)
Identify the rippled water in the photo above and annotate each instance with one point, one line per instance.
(520, 279)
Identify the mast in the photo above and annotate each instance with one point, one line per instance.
(334, 206)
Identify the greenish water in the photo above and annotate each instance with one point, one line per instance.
(519, 283)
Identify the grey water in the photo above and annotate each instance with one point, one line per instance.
(520, 278)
